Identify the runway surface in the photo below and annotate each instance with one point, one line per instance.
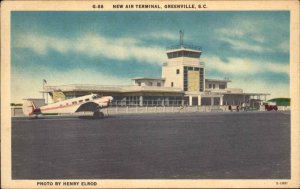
(239, 145)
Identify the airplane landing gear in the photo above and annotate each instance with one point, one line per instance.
(98, 115)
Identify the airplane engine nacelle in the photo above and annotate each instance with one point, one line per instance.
(28, 108)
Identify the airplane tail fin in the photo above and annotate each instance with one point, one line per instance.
(28, 107)
(32, 106)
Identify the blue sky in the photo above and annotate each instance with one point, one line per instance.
(249, 47)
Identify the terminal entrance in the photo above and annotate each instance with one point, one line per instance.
(194, 101)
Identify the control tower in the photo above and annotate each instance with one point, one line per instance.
(183, 68)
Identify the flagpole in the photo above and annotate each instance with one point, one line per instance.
(45, 99)
(43, 89)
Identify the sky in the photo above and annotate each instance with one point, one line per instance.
(251, 48)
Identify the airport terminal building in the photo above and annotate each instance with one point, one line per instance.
(183, 82)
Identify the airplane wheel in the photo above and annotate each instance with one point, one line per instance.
(101, 114)
(98, 115)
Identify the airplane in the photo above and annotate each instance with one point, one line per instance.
(88, 103)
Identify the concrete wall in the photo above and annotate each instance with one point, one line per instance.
(170, 74)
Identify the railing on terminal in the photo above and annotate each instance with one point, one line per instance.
(185, 46)
(201, 64)
(171, 103)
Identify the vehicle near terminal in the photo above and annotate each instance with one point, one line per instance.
(270, 106)
(88, 103)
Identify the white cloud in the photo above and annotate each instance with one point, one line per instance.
(284, 46)
(94, 45)
(241, 70)
(21, 81)
(242, 45)
(41, 44)
(229, 32)
(275, 90)
(241, 32)
(258, 38)
(245, 66)
(163, 35)
(253, 35)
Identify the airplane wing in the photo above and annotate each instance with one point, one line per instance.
(88, 107)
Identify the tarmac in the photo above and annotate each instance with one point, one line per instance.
(216, 145)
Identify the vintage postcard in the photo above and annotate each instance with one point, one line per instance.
(150, 94)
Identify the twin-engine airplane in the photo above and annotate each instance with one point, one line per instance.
(89, 103)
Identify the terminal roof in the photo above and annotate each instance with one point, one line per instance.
(218, 80)
(148, 78)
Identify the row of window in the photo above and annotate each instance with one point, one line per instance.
(185, 77)
(189, 68)
(189, 54)
(192, 68)
(149, 103)
(213, 86)
(138, 98)
(150, 84)
(75, 102)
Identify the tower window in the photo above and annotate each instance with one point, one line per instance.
(177, 71)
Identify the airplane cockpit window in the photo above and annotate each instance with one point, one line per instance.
(96, 96)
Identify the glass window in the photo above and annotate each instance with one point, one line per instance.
(172, 84)
(96, 96)
(158, 84)
(180, 53)
(150, 83)
(222, 86)
(139, 83)
(214, 86)
(210, 86)
(177, 71)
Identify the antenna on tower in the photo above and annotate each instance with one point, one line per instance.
(181, 38)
